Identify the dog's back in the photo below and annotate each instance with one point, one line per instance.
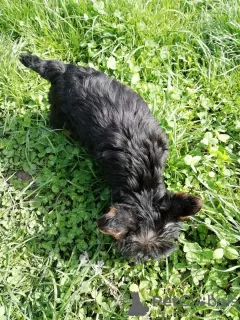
(107, 117)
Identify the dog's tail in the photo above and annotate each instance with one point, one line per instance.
(48, 69)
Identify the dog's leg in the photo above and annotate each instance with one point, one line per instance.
(57, 118)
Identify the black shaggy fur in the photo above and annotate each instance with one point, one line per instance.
(117, 127)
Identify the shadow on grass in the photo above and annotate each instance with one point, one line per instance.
(57, 189)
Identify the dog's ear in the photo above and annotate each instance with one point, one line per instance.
(185, 205)
(109, 224)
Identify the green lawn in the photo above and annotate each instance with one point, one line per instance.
(182, 57)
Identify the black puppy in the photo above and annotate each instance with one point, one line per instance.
(117, 127)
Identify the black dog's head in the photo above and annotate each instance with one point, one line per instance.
(149, 232)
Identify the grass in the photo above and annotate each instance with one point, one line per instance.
(183, 58)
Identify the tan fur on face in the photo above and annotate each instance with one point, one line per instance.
(150, 238)
(112, 212)
(184, 218)
(146, 239)
(116, 235)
